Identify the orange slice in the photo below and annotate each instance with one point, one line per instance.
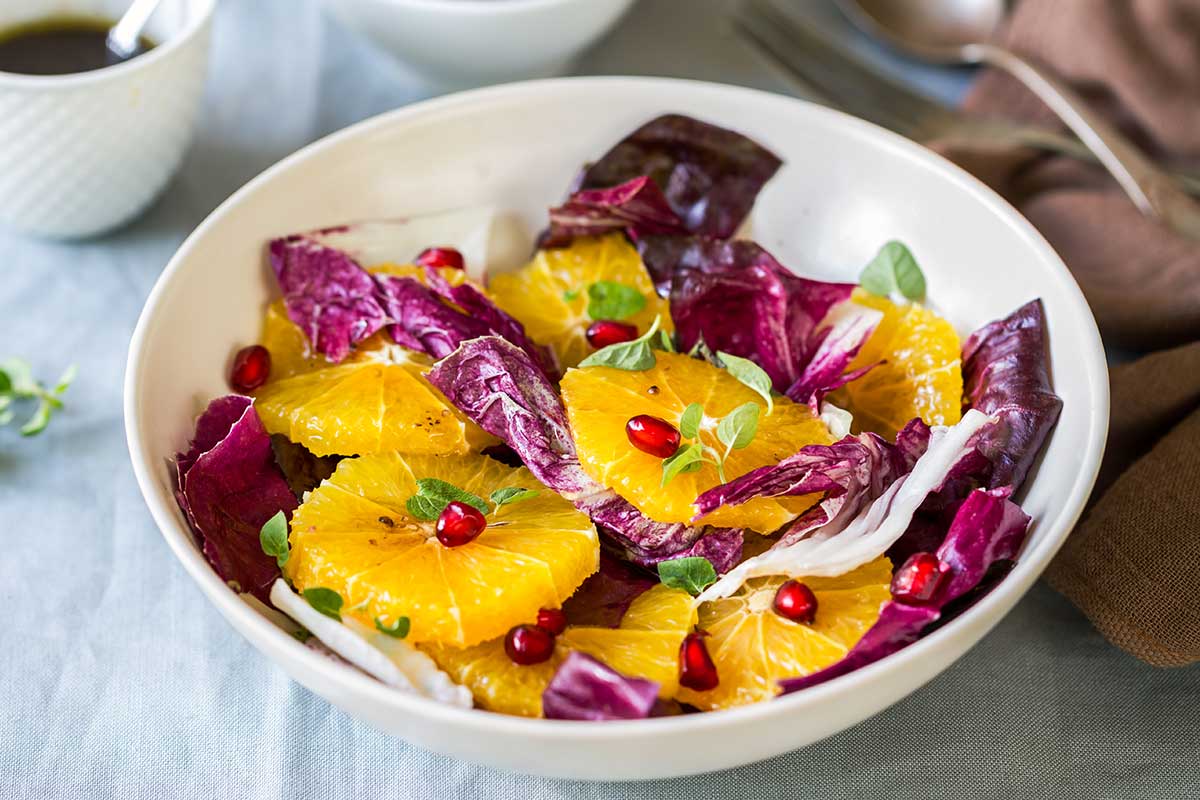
(355, 535)
(600, 400)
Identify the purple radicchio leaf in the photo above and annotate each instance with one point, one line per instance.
(852, 472)
(841, 335)
(602, 599)
(636, 207)
(987, 529)
(709, 175)
(329, 296)
(229, 486)
(499, 387)
(1006, 374)
(585, 689)
(736, 298)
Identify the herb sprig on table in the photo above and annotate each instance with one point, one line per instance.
(18, 384)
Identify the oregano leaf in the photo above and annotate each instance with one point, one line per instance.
(738, 427)
(512, 494)
(324, 601)
(692, 574)
(273, 538)
(434, 494)
(689, 421)
(635, 356)
(894, 269)
(397, 630)
(750, 375)
(688, 458)
(612, 300)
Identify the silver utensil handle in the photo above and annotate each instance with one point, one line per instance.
(1150, 188)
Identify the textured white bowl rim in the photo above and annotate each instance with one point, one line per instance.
(77, 80)
(974, 623)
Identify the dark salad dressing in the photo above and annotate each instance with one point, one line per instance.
(58, 45)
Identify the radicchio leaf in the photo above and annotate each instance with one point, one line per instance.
(329, 296)
(636, 207)
(585, 689)
(842, 334)
(850, 540)
(1006, 374)
(987, 529)
(602, 599)
(229, 486)
(500, 388)
(709, 175)
(736, 298)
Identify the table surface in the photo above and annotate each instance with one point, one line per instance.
(119, 680)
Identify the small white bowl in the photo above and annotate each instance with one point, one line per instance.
(455, 44)
(846, 187)
(85, 152)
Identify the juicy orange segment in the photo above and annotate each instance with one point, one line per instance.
(600, 400)
(355, 535)
(646, 645)
(550, 294)
(366, 407)
(921, 376)
(754, 648)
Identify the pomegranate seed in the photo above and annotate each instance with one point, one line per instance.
(652, 435)
(251, 368)
(459, 523)
(604, 332)
(795, 601)
(440, 257)
(528, 644)
(696, 668)
(917, 581)
(552, 620)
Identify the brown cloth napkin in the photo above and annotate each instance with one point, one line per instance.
(1138, 61)
(1133, 563)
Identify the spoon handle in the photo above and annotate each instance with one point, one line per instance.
(124, 37)
(1150, 188)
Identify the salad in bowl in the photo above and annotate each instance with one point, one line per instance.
(652, 472)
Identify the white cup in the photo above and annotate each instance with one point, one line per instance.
(85, 152)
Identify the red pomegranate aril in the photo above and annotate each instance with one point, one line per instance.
(917, 581)
(528, 644)
(552, 620)
(652, 435)
(440, 257)
(604, 332)
(696, 668)
(251, 368)
(459, 523)
(795, 601)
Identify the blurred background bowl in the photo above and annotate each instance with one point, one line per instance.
(85, 152)
(455, 44)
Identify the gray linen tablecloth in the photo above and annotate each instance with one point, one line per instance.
(117, 679)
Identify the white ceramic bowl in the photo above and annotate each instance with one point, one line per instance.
(85, 152)
(463, 43)
(847, 186)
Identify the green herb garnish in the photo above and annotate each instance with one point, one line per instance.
(693, 574)
(894, 270)
(689, 421)
(612, 300)
(397, 630)
(433, 495)
(634, 356)
(738, 427)
(324, 601)
(749, 374)
(570, 294)
(273, 538)
(17, 383)
(688, 458)
(512, 494)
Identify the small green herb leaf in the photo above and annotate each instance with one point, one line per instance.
(693, 574)
(301, 635)
(65, 379)
(750, 374)
(512, 494)
(397, 630)
(894, 270)
(570, 294)
(689, 421)
(612, 300)
(738, 427)
(662, 341)
(634, 356)
(688, 458)
(433, 495)
(324, 601)
(18, 378)
(273, 538)
(40, 419)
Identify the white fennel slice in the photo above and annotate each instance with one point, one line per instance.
(392, 661)
(842, 545)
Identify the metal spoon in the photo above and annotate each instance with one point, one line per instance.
(125, 38)
(956, 31)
